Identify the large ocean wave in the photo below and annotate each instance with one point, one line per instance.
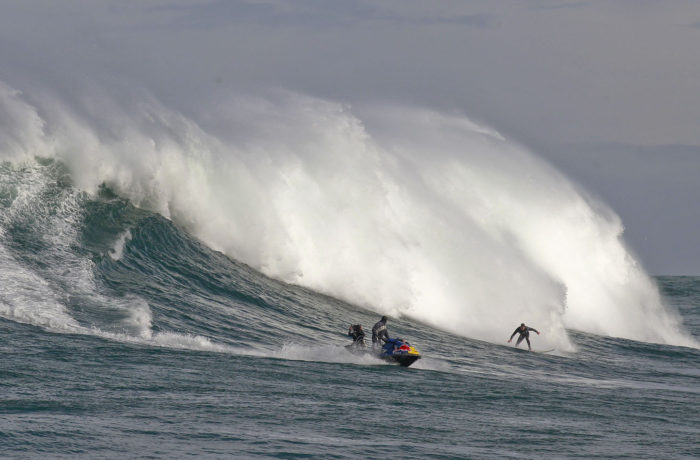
(404, 211)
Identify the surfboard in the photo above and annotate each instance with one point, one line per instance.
(544, 351)
(534, 351)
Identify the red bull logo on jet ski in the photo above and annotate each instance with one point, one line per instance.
(400, 351)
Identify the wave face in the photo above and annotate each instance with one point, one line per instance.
(403, 211)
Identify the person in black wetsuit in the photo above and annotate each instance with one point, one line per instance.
(357, 334)
(524, 332)
(379, 332)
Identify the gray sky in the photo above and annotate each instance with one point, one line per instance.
(608, 91)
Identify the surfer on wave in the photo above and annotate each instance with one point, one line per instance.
(524, 332)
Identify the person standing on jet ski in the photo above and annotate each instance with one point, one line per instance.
(357, 334)
(379, 332)
(524, 332)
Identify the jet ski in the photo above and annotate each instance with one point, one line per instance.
(400, 351)
(394, 351)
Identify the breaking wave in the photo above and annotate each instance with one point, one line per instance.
(404, 211)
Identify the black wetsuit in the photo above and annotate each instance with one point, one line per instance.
(358, 335)
(524, 334)
(379, 333)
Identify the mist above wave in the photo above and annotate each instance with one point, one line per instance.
(403, 210)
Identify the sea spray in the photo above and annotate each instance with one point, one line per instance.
(117, 250)
(405, 211)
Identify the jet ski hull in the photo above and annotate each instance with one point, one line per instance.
(402, 360)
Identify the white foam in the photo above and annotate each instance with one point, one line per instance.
(324, 353)
(117, 250)
(27, 298)
(406, 211)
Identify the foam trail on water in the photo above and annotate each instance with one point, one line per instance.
(406, 211)
(26, 298)
(326, 353)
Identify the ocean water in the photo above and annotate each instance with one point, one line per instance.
(124, 336)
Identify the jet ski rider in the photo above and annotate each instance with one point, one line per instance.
(379, 332)
(357, 334)
(524, 332)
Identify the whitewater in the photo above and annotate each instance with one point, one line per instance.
(180, 285)
(404, 211)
